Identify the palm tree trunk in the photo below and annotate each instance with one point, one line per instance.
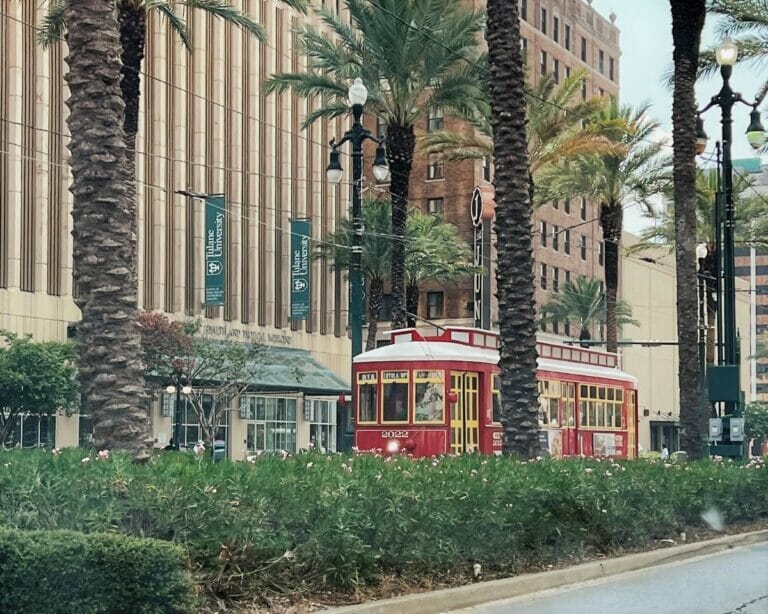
(109, 348)
(611, 219)
(514, 272)
(375, 293)
(133, 32)
(401, 142)
(412, 302)
(687, 23)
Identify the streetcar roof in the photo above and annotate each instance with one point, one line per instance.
(443, 351)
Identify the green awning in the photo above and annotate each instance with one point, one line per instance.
(297, 370)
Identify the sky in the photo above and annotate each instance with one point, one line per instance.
(646, 47)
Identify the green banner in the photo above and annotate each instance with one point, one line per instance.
(215, 241)
(301, 234)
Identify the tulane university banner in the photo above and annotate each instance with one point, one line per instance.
(300, 264)
(214, 250)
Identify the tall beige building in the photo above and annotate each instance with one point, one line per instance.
(206, 127)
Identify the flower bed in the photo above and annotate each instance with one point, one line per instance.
(312, 523)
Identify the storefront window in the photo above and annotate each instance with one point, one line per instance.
(429, 396)
(32, 431)
(271, 423)
(322, 428)
(395, 393)
(366, 400)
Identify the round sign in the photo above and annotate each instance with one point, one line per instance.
(476, 207)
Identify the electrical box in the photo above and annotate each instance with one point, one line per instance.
(715, 429)
(219, 451)
(737, 429)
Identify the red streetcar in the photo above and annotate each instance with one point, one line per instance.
(435, 395)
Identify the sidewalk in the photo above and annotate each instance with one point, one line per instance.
(495, 590)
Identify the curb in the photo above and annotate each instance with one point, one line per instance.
(450, 599)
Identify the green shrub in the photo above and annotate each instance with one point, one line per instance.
(64, 571)
(315, 523)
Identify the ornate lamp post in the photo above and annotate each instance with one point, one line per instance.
(724, 383)
(357, 135)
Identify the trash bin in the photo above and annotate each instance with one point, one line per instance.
(219, 451)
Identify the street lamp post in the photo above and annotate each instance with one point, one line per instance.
(726, 55)
(177, 387)
(357, 135)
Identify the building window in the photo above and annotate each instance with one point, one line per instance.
(322, 426)
(524, 9)
(567, 37)
(567, 277)
(601, 253)
(601, 92)
(543, 23)
(435, 119)
(567, 205)
(434, 305)
(556, 279)
(270, 423)
(611, 69)
(543, 62)
(556, 238)
(543, 233)
(601, 61)
(555, 205)
(543, 276)
(524, 47)
(583, 247)
(567, 329)
(32, 431)
(556, 29)
(381, 127)
(385, 312)
(543, 325)
(556, 70)
(567, 72)
(583, 49)
(435, 206)
(486, 168)
(435, 167)
(584, 89)
(583, 210)
(567, 242)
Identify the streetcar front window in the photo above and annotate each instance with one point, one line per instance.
(367, 400)
(429, 398)
(395, 402)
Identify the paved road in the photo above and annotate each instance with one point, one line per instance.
(730, 582)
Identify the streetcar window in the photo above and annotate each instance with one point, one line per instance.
(610, 410)
(583, 412)
(429, 398)
(395, 402)
(367, 397)
(496, 398)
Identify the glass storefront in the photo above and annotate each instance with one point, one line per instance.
(271, 423)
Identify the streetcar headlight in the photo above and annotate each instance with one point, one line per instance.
(393, 446)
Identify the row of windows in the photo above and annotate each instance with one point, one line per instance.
(428, 392)
(568, 39)
(435, 306)
(555, 326)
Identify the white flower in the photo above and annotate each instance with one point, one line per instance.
(87, 459)
(588, 470)
(309, 465)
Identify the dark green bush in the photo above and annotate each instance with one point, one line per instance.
(49, 572)
(315, 523)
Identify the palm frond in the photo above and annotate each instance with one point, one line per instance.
(53, 24)
(227, 12)
(176, 23)
(456, 147)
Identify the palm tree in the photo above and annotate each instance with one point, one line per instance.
(687, 23)
(434, 252)
(582, 304)
(555, 126)
(747, 22)
(411, 56)
(109, 349)
(514, 271)
(630, 173)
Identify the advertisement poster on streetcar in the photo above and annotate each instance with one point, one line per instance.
(607, 444)
(551, 443)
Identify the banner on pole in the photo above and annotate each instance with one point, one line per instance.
(215, 233)
(301, 234)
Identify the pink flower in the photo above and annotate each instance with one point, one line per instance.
(56, 451)
(103, 455)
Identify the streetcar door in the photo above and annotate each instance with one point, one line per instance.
(631, 424)
(465, 424)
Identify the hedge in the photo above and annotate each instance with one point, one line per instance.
(49, 572)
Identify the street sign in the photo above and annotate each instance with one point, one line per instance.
(301, 233)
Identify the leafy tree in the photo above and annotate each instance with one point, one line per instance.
(434, 252)
(756, 421)
(218, 371)
(582, 304)
(687, 23)
(631, 172)
(104, 244)
(514, 271)
(35, 378)
(409, 55)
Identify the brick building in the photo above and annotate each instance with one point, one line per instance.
(558, 36)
